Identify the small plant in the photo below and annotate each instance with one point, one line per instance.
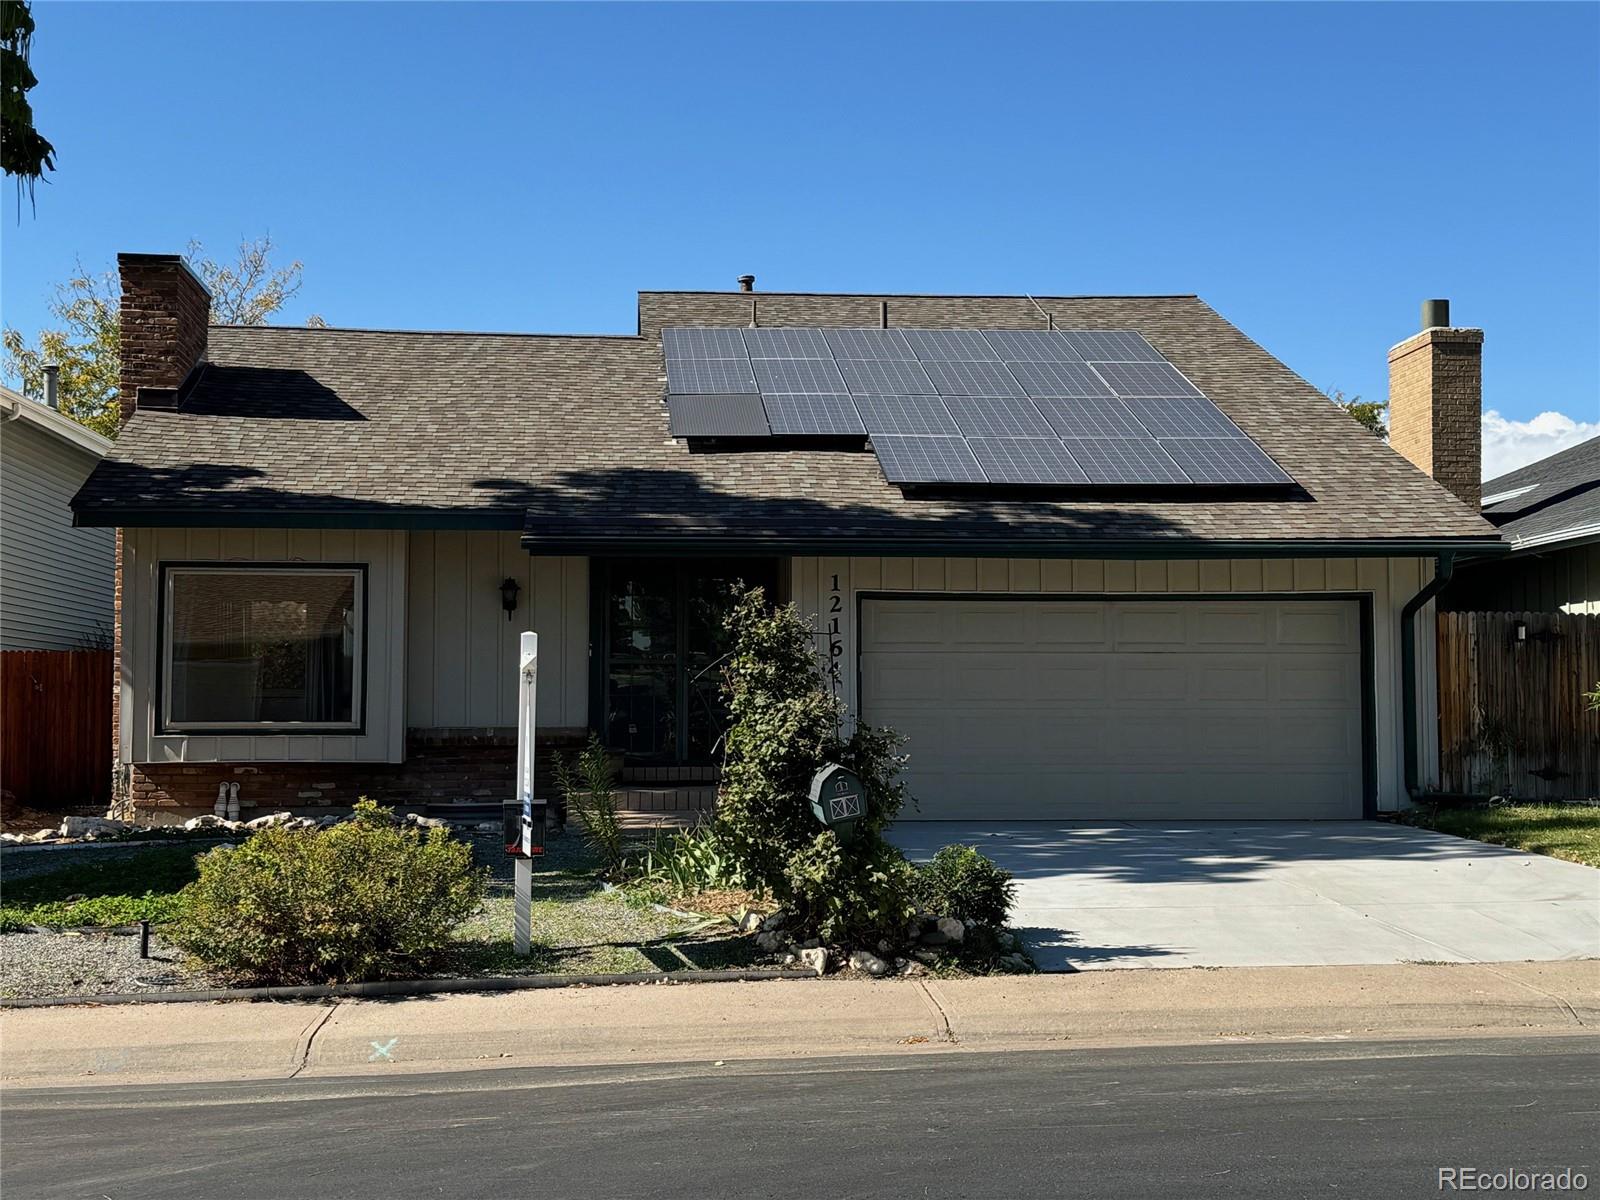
(1593, 697)
(361, 900)
(962, 883)
(589, 787)
(685, 862)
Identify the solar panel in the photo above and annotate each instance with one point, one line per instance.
(886, 377)
(1058, 379)
(1111, 345)
(1146, 379)
(703, 343)
(1026, 461)
(950, 345)
(814, 375)
(997, 416)
(869, 343)
(737, 416)
(709, 376)
(972, 379)
(1224, 460)
(1093, 417)
(817, 416)
(1123, 461)
(925, 415)
(1183, 417)
(786, 343)
(1031, 345)
(926, 460)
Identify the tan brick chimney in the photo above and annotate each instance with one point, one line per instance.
(1436, 401)
(165, 313)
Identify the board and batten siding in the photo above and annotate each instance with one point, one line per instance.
(1559, 580)
(827, 588)
(383, 552)
(56, 582)
(461, 650)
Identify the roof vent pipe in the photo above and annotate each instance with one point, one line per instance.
(747, 283)
(883, 314)
(52, 385)
(1436, 314)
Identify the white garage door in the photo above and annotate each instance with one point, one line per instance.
(1128, 710)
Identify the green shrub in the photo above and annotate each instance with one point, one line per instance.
(685, 862)
(785, 725)
(589, 787)
(851, 895)
(360, 900)
(959, 882)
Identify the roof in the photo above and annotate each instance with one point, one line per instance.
(566, 438)
(1556, 499)
(16, 406)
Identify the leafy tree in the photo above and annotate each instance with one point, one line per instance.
(1369, 413)
(24, 152)
(246, 290)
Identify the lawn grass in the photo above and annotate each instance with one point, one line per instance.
(100, 889)
(1569, 831)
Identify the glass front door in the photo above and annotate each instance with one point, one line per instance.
(662, 646)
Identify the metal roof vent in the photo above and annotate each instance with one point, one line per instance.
(747, 283)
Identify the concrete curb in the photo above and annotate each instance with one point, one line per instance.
(405, 987)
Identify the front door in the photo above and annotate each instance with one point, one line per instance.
(662, 645)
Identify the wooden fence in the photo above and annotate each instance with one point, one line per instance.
(55, 727)
(1512, 715)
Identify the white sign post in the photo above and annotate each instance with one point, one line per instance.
(527, 687)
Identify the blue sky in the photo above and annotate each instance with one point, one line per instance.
(1313, 171)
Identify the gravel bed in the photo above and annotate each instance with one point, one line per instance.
(56, 964)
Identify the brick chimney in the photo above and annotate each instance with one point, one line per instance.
(1436, 402)
(165, 312)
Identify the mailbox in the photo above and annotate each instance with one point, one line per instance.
(524, 828)
(839, 800)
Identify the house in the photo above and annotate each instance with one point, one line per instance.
(55, 580)
(1178, 583)
(1550, 513)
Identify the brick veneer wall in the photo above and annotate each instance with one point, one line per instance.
(1435, 407)
(440, 766)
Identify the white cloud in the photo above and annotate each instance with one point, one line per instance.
(1508, 444)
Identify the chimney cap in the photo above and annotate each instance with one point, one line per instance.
(747, 283)
(1436, 314)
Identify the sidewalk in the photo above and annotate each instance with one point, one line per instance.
(652, 1023)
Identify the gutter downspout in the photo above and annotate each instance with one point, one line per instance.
(1444, 569)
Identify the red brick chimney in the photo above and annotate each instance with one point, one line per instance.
(1436, 402)
(165, 312)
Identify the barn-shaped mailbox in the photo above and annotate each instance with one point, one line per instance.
(839, 800)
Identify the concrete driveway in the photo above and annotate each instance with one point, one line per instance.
(1280, 893)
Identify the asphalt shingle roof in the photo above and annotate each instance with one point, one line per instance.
(1562, 497)
(567, 436)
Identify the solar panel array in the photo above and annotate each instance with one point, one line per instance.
(1004, 407)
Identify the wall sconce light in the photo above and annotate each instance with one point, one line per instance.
(1522, 631)
(508, 596)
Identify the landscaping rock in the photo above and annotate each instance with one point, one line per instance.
(776, 921)
(426, 822)
(211, 821)
(772, 940)
(931, 957)
(1007, 940)
(868, 963)
(750, 921)
(952, 929)
(1018, 963)
(815, 960)
(277, 818)
(46, 835)
(910, 968)
(77, 827)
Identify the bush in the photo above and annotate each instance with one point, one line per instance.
(360, 900)
(851, 895)
(785, 725)
(959, 882)
(589, 788)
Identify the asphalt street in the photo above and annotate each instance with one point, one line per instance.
(1277, 1120)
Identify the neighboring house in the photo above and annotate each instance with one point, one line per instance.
(1089, 592)
(55, 580)
(1550, 513)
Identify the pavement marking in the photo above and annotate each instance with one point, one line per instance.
(383, 1051)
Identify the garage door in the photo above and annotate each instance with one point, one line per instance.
(1128, 710)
